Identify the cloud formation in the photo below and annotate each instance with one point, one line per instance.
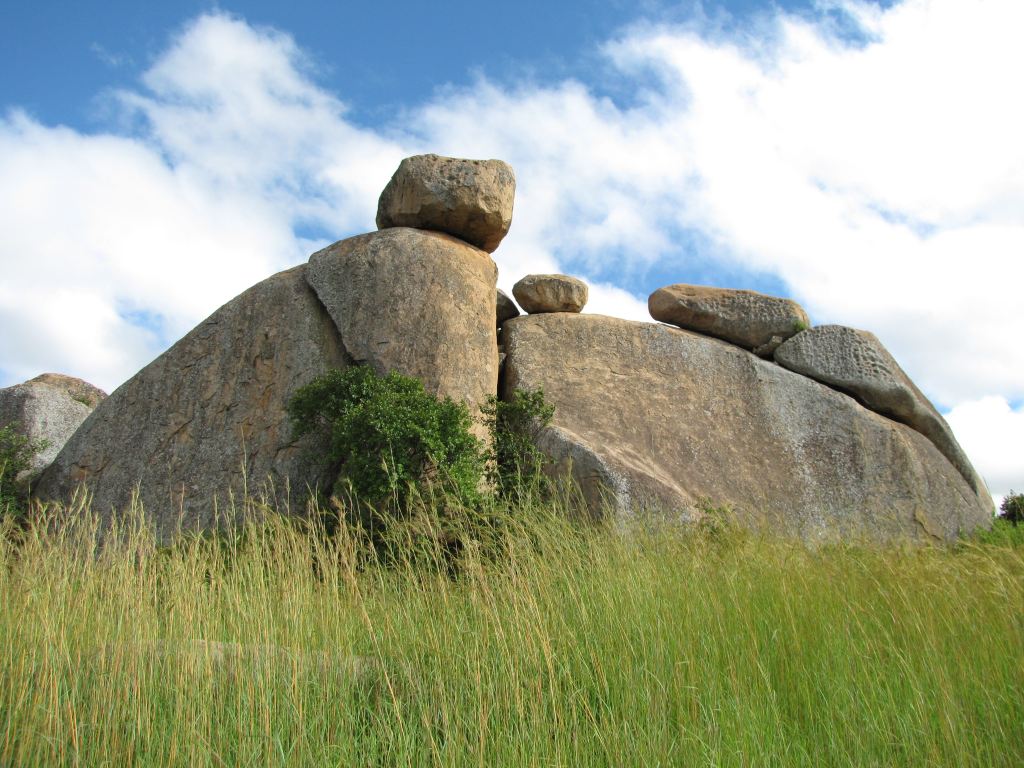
(878, 177)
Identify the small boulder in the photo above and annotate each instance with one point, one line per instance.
(745, 318)
(505, 308)
(48, 408)
(469, 199)
(855, 362)
(538, 294)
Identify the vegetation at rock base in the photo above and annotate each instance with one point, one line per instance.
(16, 453)
(388, 436)
(393, 442)
(516, 462)
(580, 645)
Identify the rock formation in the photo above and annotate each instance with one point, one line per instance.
(469, 199)
(550, 293)
(855, 362)
(48, 408)
(648, 417)
(654, 417)
(747, 318)
(207, 420)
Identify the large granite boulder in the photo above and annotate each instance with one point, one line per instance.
(857, 363)
(551, 293)
(207, 418)
(420, 303)
(747, 318)
(470, 199)
(48, 409)
(659, 418)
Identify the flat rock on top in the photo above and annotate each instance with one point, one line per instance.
(660, 418)
(551, 293)
(207, 419)
(856, 362)
(50, 408)
(747, 318)
(469, 199)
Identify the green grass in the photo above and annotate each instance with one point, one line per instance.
(550, 644)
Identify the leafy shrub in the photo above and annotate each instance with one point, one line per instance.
(1012, 508)
(389, 438)
(515, 461)
(16, 454)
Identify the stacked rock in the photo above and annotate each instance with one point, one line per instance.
(470, 199)
(538, 294)
(748, 319)
(417, 297)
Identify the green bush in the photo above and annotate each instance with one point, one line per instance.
(515, 462)
(16, 454)
(1012, 508)
(389, 438)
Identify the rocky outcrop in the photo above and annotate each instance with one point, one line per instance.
(469, 199)
(420, 303)
(654, 417)
(505, 308)
(550, 293)
(747, 318)
(48, 409)
(857, 363)
(207, 418)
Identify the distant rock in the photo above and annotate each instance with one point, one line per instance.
(659, 419)
(538, 294)
(420, 303)
(857, 363)
(206, 420)
(48, 408)
(505, 308)
(746, 318)
(469, 199)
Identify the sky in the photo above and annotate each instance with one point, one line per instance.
(863, 158)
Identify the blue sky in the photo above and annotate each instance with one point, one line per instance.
(863, 158)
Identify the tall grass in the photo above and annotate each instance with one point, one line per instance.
(544, 643)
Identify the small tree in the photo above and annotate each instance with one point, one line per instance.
(389, 437)
(1012, 508)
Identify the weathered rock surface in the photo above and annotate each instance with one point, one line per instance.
(420, 303)
(207, 418)
(746, 318)
(550, 293)
(662, 418)
(857, 363)
(505, 308)
(470, 199)
(48, 408)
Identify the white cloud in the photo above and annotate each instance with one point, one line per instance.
(882, 182)
(992, 433)
(115, 246)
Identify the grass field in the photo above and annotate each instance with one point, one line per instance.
(550, 644)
